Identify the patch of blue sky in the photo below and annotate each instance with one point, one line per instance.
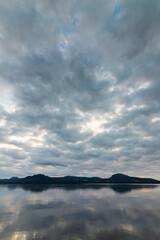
(113, 17)
(66, 30)
(75, 20)
(63, 46)
(116, 10)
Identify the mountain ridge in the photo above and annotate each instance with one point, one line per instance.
(43, 179)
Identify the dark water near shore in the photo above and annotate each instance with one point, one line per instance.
(96, 212)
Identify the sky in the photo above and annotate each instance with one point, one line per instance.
(79, 87)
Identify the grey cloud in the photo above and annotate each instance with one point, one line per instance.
(66, 65)
(13, 154)
(137, 26)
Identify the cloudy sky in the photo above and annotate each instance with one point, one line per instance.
(79, 87)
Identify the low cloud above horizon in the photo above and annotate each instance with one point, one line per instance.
(79, 87)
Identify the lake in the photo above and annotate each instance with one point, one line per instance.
(99, 212)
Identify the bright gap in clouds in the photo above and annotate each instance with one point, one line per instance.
(6, 100)
(94, 125)
(92, 122)
(34, 139)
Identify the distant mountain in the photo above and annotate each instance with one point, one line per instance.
(121, 178)
(42, 179)
(14, 178)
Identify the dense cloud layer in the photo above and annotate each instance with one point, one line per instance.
(79, 87)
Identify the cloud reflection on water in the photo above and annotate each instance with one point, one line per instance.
(79, 213)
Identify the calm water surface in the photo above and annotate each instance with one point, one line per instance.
(92, 213)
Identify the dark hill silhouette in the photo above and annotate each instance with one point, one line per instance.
(42, 179)
(122, 178)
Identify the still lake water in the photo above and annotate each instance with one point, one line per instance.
(117, 212)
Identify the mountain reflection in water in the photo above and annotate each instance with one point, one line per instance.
(120, 188)
(90, 212)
